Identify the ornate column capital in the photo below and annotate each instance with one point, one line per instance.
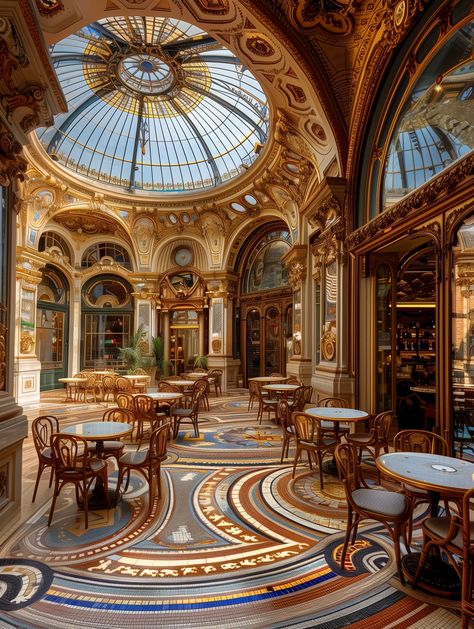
(295, 262)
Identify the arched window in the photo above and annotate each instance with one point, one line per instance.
(51, 327)
(434, 127)
(51, 239)
(265, 269)
(93, 254)
(107, 320)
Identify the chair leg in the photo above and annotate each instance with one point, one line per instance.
(396, 546)
(296, 459)
(347, 536)
(53, 503)
(85, 504)
(38, 476)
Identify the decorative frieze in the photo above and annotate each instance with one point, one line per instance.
(445, 183)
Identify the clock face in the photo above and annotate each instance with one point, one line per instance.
(183, 256)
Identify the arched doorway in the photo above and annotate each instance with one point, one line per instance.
(107, 321)
(266, 305)
(52, 317)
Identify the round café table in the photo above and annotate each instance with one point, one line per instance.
(439, 476)
(71, 384)
(139, 377)
(100, 432)
(281, 390)
(330, 417)
(269, 379)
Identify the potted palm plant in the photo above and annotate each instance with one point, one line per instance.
(201, 362)
(158, 351)
(133, 356)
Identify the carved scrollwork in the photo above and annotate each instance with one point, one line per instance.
(444, 183)
(3, 353)
(297, 274)
(328, 344)
(27, 343)
(12, 165)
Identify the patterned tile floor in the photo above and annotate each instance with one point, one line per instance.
(233, 543)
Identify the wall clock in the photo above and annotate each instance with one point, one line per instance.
(183, 256)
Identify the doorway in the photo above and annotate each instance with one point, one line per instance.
(184, 340)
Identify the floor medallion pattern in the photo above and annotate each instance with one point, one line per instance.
(234, 542)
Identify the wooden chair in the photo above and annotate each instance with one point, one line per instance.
(125, 400)
(311, 439)
(141, 387)
(419, 441)
(71, 466)
(330, 428)
(217, 375)
(41, 429)
(390, 508)
(289, 434)
(298, 400)
(294, 380)
(88, 387)
(254, 392)
(146, 462)
(376, 439)
(145, 413)
(123, 385)
(266, 405)
(109, 388)
(454, 535)
(191, 413)
(115, 448)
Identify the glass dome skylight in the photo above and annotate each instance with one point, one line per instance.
(154, 104)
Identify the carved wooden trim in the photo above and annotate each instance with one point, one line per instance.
(446, 182)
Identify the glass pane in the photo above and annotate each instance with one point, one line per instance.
(253, 344)
(50, 338)
(104, 335)
(272, 341)
(463, 339)
(384, 342)
(184, 348)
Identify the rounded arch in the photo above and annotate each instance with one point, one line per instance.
(61, 234)
(106, 248)
(164, 259)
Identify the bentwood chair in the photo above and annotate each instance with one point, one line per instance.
(73, 466)
(288, 430)
(376, 439)
(311, 439)
(454, 535)
(189, 414)
(419, 441)
(390, 508)
(146, 462)
(216, 374)
(125, 400)
(115, 448)
(254, 394)
(145, 413)
(41, 429)
(330, 428)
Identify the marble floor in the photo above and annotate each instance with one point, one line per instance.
(234, 542)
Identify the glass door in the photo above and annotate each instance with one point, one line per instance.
(184, 340)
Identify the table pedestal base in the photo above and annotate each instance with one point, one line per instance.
(438, 577)
(329, 467)
(97, 499)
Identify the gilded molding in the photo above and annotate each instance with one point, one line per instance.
(446, 182)
(12, 165)
(295, 262)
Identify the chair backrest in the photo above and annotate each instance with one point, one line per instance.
(216, 373)
(333, 402)
(254, 389)
(159, 441)
(166, 387)
(306, 426)
(119, 415)
(420, 441)
(91, 380)
(299, 399)
(199, 370)
(41, 429)
(108, 382)
(200, 385)
(144, 406)
(283, 413)
(123, 384)
(294, 380)
(68, 453)
(276, 374)
(125, 400)
(139, 372)
(381, 426)
(308, 394)
(348, 467)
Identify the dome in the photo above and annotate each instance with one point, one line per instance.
(154, 104)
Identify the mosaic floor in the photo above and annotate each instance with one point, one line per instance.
(233, 543)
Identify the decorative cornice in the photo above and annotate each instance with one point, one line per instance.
(444, 183)
(12, 164)
(295, 262)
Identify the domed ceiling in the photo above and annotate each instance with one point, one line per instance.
(154, 104)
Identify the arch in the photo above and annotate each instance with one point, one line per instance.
(163, 258)
(106, 248)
